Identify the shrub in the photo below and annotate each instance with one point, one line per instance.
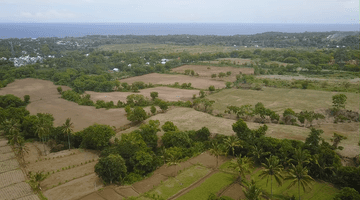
(228, 73)
(154, 95)
(96, 136)
(228, 84)
(27, 99)
(137, 115)
(59, 89)
(211, 88)
(163, 105)
(213, 75)
(153, 109)
(169, 126)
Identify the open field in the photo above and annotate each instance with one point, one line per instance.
(166, 48)
(203, 71)
(213, 184)
(278, 99)
(301, 77)
(166, 79)
(319, 191)
(238, 61)
(45, 99)
(165, 93)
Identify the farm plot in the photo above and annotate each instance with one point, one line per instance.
(11, 177)
(165, 93)
(213, 184)
(190, 119)
(44, 98)
(15, 191)
(207, 71)
(319, 191)
(166, 79)
(279, 99)
(8, 165)
(237, 61)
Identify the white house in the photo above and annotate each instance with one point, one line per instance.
(129, 65)
(116, 69)
(163, 63)
(147, 63)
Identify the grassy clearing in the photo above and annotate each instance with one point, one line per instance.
(211, 185)
(320, 191)
(278, 99)
(173, 185)
(166, 48)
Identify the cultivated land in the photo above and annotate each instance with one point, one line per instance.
(45, 99)
(166, 79)
(166, 48)
(165, 93)
(204, 72)
(301, 77)
(12, 178)
(278, 99)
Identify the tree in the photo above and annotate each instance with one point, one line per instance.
(111, 168)
(153, 109)
(27, 99)
(299, 175)
(35, 180)
(216, 150)
(163, 106)
(336, 139)
(301, 156)
(211, 88)
(202, 93)
(169, 126)
(213, 75)
(59, 89)
(347, 193)
(149, 133)
(138, 114)
(96, 136)
(154, 95)
(67, 129)
(258, 153)
(241, 130)
(242, 165)
(228, 84)
(44, 126)
(252, 192)
(313, 140)
(176, 139)
(339, 101)
(272, 169)
(173, 159)
(230, 143)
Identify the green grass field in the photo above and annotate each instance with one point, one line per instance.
(319, 191)
(278, 99)
(213, 184)
(173, 185)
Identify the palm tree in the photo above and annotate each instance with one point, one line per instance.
(301, 156)
(257, 153)
(173, 160)
(272, 169)
(217, 150)
(35, 179)
(67, 129)
(253, 192)
(299, 175)
(232, 142)
(42, 131)
(242, 165)
(21, 148)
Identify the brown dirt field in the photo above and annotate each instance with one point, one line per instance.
(190, 119)
(208, 160)
(30, 197)
(11, 177)
(8, 165)
(165, 93)
(15, 191)
(45, 99)
(58, 163)
(5, 149)
(92, 196)
(203, 71)
(166, 79)
(350, 130)
(170, 170)
(126, 191)
(238, 61)
(75, 189)
(3, 143)
(234, 191)
(7, 156)
(110, 194)
(67, 175)
(149, 183)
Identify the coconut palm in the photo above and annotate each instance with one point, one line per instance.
(273, 168)
(299, 175)
(173, 160)
(257, 153)
(67, 129)
(230, 144)
(242, 165)
(301, 156)
(42, 131)
(252, 192)
(216, 150)
(21, 148)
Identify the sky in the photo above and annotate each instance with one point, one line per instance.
(180, 11)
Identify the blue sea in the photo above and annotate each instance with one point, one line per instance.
(35, 30)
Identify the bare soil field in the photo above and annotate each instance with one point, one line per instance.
(165, 93)
(238, 61)
(300, 77)
(203, 71)
(166, 79)
(45, 99)
(190, 119)
(278, 99)
(350, 130)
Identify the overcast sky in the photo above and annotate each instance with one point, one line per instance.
(181, 11)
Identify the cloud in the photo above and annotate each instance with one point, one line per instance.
(48, 15)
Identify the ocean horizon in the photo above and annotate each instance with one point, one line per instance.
(35, 30)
